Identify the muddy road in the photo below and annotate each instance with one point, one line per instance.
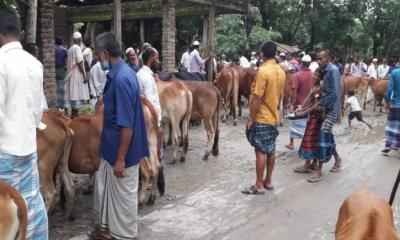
(203, 199)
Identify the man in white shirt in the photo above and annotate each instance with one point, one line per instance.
(21, 89)
(76, 74)
(147, 83)
(98, 78)
(196, 62)
(253, 58)
(185, 60)
(383, 69)
(244, 63)
(372, 74)
(357, 68)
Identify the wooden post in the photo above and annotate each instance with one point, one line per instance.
(168, 35)
(205, 36)
(141, 33)
(211, 33)
(117, 20)
(31, 22)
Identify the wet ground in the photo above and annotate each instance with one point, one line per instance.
(203, 199)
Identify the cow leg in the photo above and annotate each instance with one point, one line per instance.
(225, 106)
(175, 142)
(169, 134)
(240, 106)
(89, 189)
(48, 189)
(210, 133)
(185, 128)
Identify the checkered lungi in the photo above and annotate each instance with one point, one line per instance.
(22, 173)
(78, 104)
(327, 143)
(263, 137)
(62, 89)
(310, 142)
(298, 127)
(392, 129)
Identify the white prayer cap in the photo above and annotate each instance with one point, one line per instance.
(375, 60)
(253, 53)
(76, 35)
(282, 54)
(128, 50)
(306, 58)
(196, 43)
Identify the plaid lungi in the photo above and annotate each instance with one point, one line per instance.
(62, 89)
(327, 143)
(392, 129)
(22, 174)
(310, 142)
(262, 137)
(78, 104)
(298, 127)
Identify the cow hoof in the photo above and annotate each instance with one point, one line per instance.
(151, 201)
(183, 159)
(235, 123)
(205, 158)
(223, 120)
(215, 152)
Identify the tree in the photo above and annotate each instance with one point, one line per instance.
(31, 21)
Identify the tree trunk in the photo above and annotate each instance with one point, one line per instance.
(46, 49)
(168, 35)
(31, 22)
(264, 13)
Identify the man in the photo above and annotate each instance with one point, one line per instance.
(261, 126)
(147, 83)
(123, 144)
(132, 59)
(356, 68)
(372, 74)
(383, 69)
(223, 60)
(21, 79)
(347, 66)
(313, 65)
(303, 82)
(196, 62)
(336, 62)
(185, 60)
(62, 90)
(253, 58)
(392, 103)
(76, 74)
(145, 46)
(331, 104)
(244, 63)
(98, 78)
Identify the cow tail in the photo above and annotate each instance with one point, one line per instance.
(189, 107)
(215, 150)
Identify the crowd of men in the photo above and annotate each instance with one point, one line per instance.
(100, 71)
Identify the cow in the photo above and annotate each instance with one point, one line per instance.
(84, 157)
(53, 148)
(176, 104)
(378, 87)
(206, 106)
(364, 215)
(358, 84)
(13, 214)
(246, 77)
(228, 85)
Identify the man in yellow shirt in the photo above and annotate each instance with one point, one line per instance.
(261, 127)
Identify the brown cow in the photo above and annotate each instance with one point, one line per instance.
(364, 215)
(246, 77)
(53, 148)
(228, 85)
(378, 87)
(12, 204)
(206, 105)
(359, 85)
(176, 104)
(85, 159)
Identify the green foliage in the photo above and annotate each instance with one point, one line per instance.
(259, 35)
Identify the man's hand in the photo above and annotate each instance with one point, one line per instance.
(291, 108)
(119, 168)
(386, 105)
(249, 123)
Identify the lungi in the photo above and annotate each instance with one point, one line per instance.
(77, 105)
(298, 127)
(392, 129)
(310, 142)
(22, 173)
(327, 143)
(62, 89)
(263, 137)
(116, 200)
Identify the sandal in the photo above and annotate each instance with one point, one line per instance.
(314, 179)
(386, 150)
(268, 188)
(252, 190)
(289, 147)
(99, 234)
(335, 169)
(302, 169)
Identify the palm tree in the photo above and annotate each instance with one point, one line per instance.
(168, 35)
(31, 21)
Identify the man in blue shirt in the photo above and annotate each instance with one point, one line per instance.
(392, 103)
(331, 104)
(123, 145)
(61, 60)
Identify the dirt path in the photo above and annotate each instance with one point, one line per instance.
(203, 199)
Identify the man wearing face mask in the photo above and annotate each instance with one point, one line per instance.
(78, 90)
(21, 89)
(123, 145)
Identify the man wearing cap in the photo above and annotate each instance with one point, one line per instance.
(372, 74)
(185, 60)
(196, 62)
(383, 69)
(78, 91)
(303, 81)
(132, 59)
(283, 62)
(244, 63)
(253, 58)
